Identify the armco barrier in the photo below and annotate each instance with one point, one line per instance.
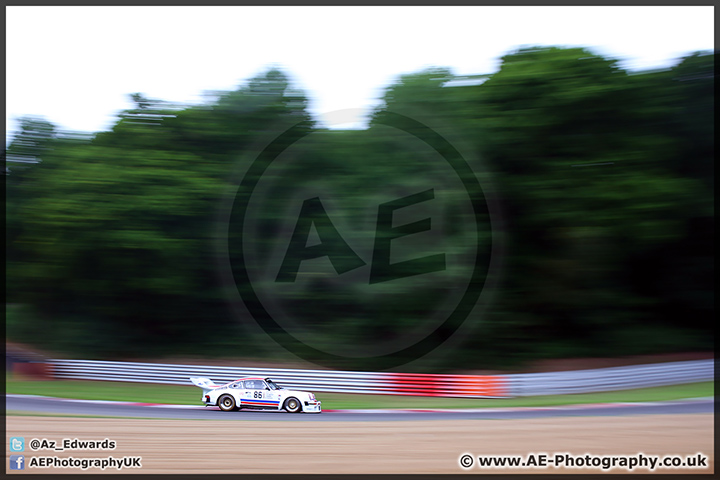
(608, 379)
(472, 386)
(429, 385)
(315, 380)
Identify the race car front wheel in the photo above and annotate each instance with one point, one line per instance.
(226, 403)
(292, 405)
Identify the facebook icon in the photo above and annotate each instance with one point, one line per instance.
(17, 462)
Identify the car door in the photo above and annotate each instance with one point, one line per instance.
(271, 396)
(258, 395)
(247, 393)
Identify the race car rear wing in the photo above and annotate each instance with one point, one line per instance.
(205, 383)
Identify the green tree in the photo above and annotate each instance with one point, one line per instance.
(118, 236)
(571, 139)
(604, 177)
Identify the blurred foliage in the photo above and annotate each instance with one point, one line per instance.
(604, 177)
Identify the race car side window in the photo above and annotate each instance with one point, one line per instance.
(253, 385)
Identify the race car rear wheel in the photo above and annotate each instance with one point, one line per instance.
(292, 405)
(226, 403)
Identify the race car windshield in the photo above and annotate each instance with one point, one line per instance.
(273, 385)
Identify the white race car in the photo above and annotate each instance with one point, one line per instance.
(256, 393)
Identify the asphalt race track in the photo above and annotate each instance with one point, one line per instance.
(170, 439)
(36, 404)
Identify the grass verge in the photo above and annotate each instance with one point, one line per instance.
(190, 395)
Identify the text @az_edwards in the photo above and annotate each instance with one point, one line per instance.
(72, 444)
